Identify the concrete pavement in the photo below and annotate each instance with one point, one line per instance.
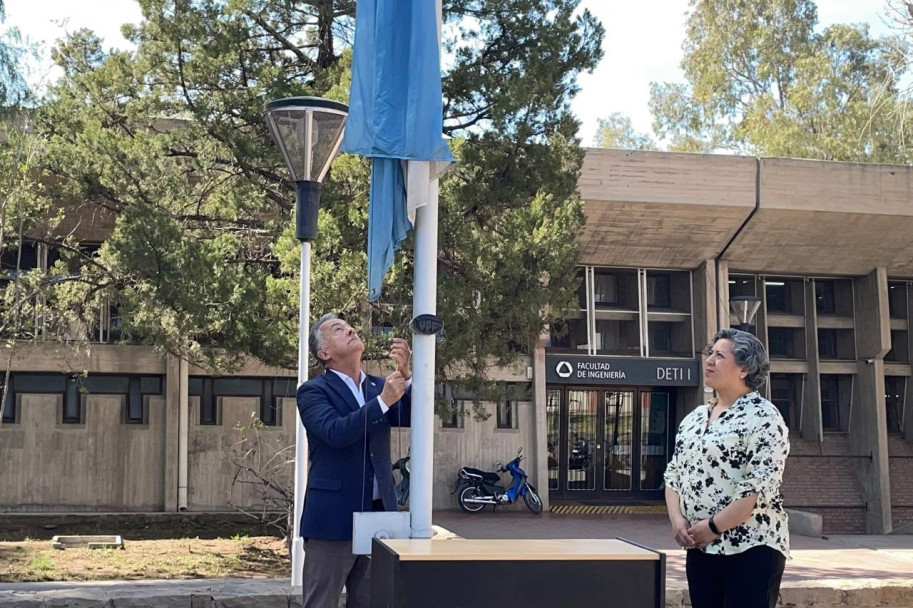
(835, 572)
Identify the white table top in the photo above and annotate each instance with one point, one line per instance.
(416, 549)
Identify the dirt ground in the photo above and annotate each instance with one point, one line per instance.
(240, 556)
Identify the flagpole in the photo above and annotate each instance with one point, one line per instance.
(301, 442)
(423, 349)
(424, 301)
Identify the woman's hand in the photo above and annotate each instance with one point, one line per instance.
(680, 528)
(701, 533)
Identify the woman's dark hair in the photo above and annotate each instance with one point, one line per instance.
(748, 353)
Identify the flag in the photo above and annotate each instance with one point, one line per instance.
(396, 118)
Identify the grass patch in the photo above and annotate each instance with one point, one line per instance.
(241, 557)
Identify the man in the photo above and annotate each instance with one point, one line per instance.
(347, 415)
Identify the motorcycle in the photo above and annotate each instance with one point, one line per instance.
(478, 488)
(401, 489)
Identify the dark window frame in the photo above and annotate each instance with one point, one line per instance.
(506, 418)
(73, 410)
(270, 391)
(791, 395)
(134, 388)
(895, 408)
(457, 413)
(8, 409)
(662, 290)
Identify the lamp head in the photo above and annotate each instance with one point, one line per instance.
(308, 131)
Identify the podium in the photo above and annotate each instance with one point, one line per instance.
(500, 573)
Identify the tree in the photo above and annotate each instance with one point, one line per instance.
(616, 131)
(760, 80)
(168, 143)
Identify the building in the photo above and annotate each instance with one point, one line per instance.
(670, 239)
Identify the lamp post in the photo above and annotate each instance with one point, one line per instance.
(744, 308)
(308, 131)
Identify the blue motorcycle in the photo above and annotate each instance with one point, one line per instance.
(478, 488)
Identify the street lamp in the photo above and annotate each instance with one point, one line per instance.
(308, 131)
(744, 308)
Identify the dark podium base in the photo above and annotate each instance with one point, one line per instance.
(516, 573)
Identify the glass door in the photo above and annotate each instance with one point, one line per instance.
(619, 440)
(607, 445)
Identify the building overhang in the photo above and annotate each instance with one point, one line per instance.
(672, 210)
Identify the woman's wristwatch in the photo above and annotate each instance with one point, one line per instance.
(713, 527)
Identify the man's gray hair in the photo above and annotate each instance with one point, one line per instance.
(315, 337)
(748, 353)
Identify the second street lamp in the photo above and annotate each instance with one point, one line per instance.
(744, 308)
(308, 131)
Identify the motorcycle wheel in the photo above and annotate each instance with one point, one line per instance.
(468, 493)
(532, 500)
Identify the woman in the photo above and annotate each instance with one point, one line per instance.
(723, 483)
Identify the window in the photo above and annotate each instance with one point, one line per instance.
(610, 318)
(605, 290)
(136, 411)
(453, 418)
(670, 338)
(900, 347)
(202, 387)
(615, 289)
(659, 290)
(24, 258)
(72, 400)
(786, 395)
(894, 387)
(785, 295)
(836, 392)
(569, 335)
(510, 396)
(825, 300)
(897, 300)
(39, 384)
(268, 391)
(834, 297)
(9, 404)
(506, 414)
(133, 388)
(742, 286)
(836, 344)
(270, 410)
(786, 342)
(617, 338)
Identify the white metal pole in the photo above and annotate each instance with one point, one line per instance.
(301, 442)
(424, 301)
(423, 350)
(183, 431)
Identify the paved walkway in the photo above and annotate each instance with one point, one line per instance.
(836, 572)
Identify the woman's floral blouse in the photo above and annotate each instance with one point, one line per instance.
(742, 452)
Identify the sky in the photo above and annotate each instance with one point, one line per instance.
(642, 43)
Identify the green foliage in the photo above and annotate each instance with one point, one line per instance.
(759, 79)
(616, 131)
(164, 148)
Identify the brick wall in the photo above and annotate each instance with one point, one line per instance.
(900, 460)
(819, 478)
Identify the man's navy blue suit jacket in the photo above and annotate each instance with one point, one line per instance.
(343, 463)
